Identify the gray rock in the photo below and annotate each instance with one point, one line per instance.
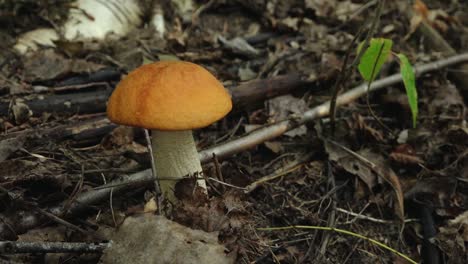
(155, 239)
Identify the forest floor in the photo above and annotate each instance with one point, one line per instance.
(374, 176)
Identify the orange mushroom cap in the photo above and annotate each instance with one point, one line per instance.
(169, 95)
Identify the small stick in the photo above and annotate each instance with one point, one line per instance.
(61, 221)
(226, 184)
(254, 185)
(153, 170)
(290, 168)
(370, 218)
(16, 247)
(219, 174)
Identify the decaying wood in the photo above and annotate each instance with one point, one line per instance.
(255, 91)
(82, 102)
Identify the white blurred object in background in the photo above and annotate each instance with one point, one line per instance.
(87, 20)
(95, 19)
(157, 20)
(34, 39)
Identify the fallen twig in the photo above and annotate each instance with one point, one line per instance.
(272, 131)
(290, 168)
(370, 218)
(16, 247)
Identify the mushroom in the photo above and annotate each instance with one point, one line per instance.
(170, 98)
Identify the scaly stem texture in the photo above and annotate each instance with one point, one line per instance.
(175, 158)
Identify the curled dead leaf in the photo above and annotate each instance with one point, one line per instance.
(366, 164)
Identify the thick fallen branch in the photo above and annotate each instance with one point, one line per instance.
(255, 91)
(29, 220)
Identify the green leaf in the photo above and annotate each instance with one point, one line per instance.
(374, 57)
(409, 81)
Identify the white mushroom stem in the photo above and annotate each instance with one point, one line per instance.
(175, 158)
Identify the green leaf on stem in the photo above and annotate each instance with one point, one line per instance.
(409, 80)
(374, 57)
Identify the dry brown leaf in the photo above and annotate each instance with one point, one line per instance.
(384, 170)
(461, 223)
(275, 146)
(452, 242)
(46, 65)
(361, 125)
(405, 154)
(438, 19)
(415, 21)
(282, 107)
(122, 135)
(239, 46)
(233, 203)
(365, 164)
(341, 10)
(420, 8)
(19, 111)
(351, 164)
(8, 146)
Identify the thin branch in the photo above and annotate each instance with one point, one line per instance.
(370, 218)
(157, 189)
(61, 221)
(282, 172)
(275, 130)
(226, 184)
(16, 247)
